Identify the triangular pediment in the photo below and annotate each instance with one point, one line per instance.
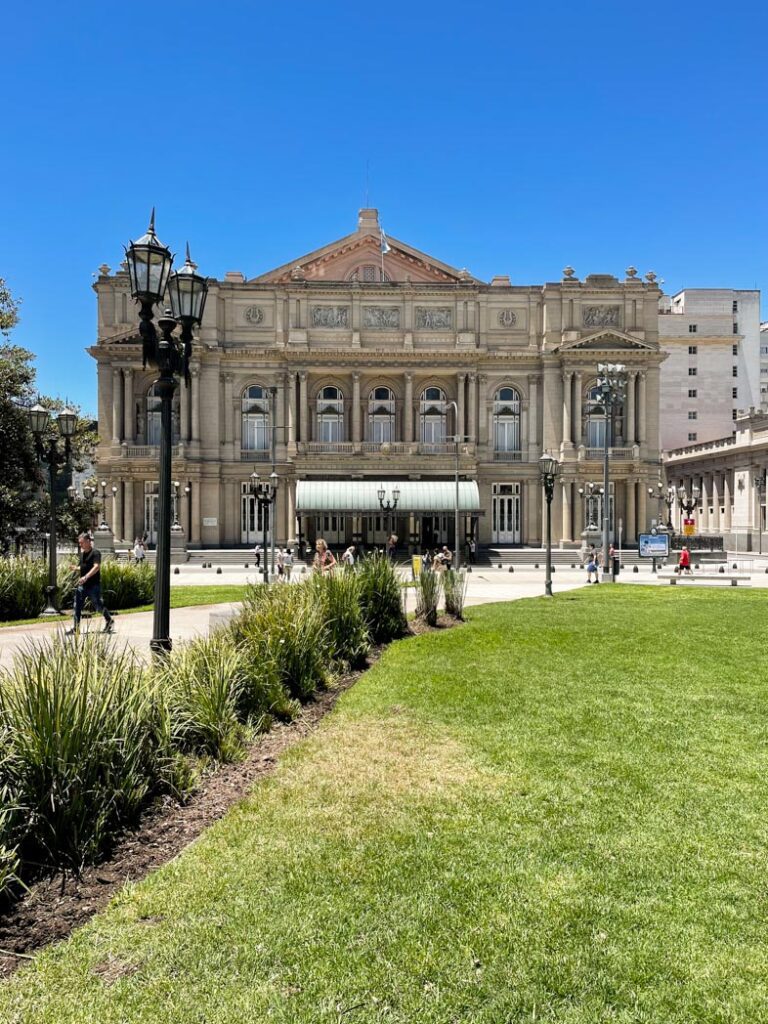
(609, 338)
(358, 257)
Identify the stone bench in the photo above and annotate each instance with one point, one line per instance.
(711, 577)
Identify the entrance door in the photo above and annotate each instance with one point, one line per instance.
(377, 529)
(151, 507)
(251, 524)
(331, 528)
(434, 532)
(506, 514)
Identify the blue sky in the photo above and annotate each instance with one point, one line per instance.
(501, 137)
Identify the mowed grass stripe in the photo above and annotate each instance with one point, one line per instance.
(554, 813)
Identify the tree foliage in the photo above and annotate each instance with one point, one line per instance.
(24, 497)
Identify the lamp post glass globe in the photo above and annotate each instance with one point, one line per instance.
(38, 419)
(67, 421)
(187, 292)
(149, 265)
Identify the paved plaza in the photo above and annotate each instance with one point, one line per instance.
(485, 586)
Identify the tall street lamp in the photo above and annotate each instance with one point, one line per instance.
(149, 269)
(688, 503)
(593, 492)
(458, 439)
(612, 382)
(759, 487)
(669, 501)
(103, 524)
(54, 455)
(264, 492)
(388, 507)
(548, 467)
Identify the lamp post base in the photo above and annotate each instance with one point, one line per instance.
(161, 647)
(50, 608)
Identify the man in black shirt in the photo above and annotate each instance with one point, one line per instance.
(89, 584)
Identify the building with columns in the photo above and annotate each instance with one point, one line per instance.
(730, 473)
(362, 365)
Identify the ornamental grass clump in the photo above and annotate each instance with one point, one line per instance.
(380, 598)
(282, 628)
(127, 584)
(455, 591)
(22, 587)
(338, 596)
(85, 743)
(428, 596)
(205, 683)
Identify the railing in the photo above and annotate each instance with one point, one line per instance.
(255, 454)
(145, 451)
(507, 456)
(387, 447)
(325, 448)
(436, 449)
(615, 453)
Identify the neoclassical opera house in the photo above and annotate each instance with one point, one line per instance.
(363, 367)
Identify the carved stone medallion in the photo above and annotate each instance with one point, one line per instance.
(507, 318)
(254, 315)
(381, 317)
(330, 316)
(431, 318)
(600, 316)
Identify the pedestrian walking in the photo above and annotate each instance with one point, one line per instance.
(89, 585)
(139, 551)
(684, 565)
(391, 546)
(472, 550)
(257, 555)
(288, 563)
(592, 565)
(280, 559)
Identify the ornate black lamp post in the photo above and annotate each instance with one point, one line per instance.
(669, 501)
(612, 382)
(388, 507)
(593, 492)
(759, 482)
(548, 467)
(149, 268)
(265, 492)
(688, 504)
(103, 525)
(54, 455)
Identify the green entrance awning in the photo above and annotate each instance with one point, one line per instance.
(361, 497)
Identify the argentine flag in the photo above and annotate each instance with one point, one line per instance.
(384, 242)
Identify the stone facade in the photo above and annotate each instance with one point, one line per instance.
(366, 355)
(712, 338)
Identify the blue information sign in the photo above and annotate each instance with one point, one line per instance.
(653, 545)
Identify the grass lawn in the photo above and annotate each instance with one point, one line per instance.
(181, 597)
(555, 813)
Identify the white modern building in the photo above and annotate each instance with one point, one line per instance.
(713, 370)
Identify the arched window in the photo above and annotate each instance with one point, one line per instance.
(381, 415)
(368, 273)
(330, 415)
(506, 420)
(255, 419)
(595, 419)
(153, 402)
(432, 416)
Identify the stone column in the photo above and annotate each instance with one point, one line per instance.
(291, 509)
(727, 501)
(229, 432)
(567, 385)
(567, 485)
(630, 431)
(533, 417)
(715, 518)
(630, 527)
(105, 399)
(129, 413)
(303, 407)
(408, 409)
(194, 529)
(577, 412)
(578, 513)
(482, 380)
(281, 434)
(117, 512)
(704, 499)
(183, 412)
(356, 438)
(290, 384)
(472, 424)
(642, 513)
(642, 417)
(117, 406)
(460, 379)
(195, 372)
(128, 513)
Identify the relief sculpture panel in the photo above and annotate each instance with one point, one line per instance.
(381, 317)
(430, 318)
(330, 316)
(600, 316)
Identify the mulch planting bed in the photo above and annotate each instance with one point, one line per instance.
(60, 902)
